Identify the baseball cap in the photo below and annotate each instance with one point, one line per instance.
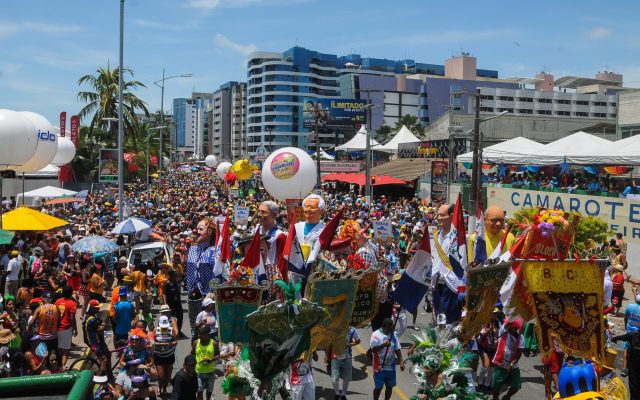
(164, 322)
(94, 303)
(127, 279)
(190, 359)
(122, 291)
(207, 302)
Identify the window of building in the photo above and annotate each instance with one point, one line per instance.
(543, 112)
(547, 101)
(561, 101)
(582, 102)
(486, 97)
(581, 114)
(505, 98)
(525, 111)
(526, 99)
(599, 115)
(600, 103)
(563, 113)
(486, 109)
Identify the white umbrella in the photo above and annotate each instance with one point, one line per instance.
(131, 225)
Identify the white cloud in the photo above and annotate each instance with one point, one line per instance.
(243, 49)
(213, 4)
(12, 29)
(599, 33)
(144, 23)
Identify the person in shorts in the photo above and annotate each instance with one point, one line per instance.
(67, 328)
(508, 352)
(385, 348)
(204, 348)
(341, 365)
(93, 329)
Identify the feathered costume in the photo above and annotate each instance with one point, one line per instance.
(435, 353)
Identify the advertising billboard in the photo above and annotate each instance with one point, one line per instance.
(333, 112)
(108, 165)
(439, 171)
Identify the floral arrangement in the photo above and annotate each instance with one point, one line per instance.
(350, 229)
(356, 262)
(240, 274)
(546, 221)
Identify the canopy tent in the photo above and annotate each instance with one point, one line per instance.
(579, 148)
(47, 192)
(625, 151)
(359, 179)
(49, 170)
(323, 155)
(508, 152)
(404, 135)
(359, 142)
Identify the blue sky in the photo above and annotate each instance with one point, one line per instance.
(45, 46)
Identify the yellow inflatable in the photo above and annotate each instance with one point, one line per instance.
(242, 169)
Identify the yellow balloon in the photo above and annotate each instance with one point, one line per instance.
(242, 169)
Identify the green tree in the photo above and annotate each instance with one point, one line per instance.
(384, 133)
(412, 123)
(102, 100)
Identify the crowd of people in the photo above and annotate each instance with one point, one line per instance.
(129, 311)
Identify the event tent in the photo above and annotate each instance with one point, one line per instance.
(359, 142)
(323, 155)
(50, 170)
(404, 135)
(579, 148)
(508, 152)
(47, 192)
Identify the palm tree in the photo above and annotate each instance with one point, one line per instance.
(383, 133)
(102, 101)
(412, 123)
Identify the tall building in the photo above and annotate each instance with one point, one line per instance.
(226, 121)
(189, 125)
(278, 83)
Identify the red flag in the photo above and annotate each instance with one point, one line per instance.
(252, 257)
(457, 220)
(327, 233)
(75, 125)
(225, 244)
(426, 240)
(290, 238)
(63, 123)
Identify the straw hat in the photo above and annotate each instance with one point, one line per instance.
(6, 336)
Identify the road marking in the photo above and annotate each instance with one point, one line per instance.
(396, 389)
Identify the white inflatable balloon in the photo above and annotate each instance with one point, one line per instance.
(166, 162)
(222, 169)
(17, 138)
(289, 173)
(66, 152)
(210, 160)
(47, 143)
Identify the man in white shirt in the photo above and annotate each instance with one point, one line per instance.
(12, 274)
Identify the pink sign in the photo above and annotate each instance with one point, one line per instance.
(285, 165)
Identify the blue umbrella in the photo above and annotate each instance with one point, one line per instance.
(131, 225)
(94, 244)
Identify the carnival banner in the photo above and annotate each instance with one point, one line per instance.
(336, 293)
(63, 124)
(366, 303)
(567, 303)
(75, 127)
(554, 245)
(483, 292)
(439, 171)
(383, 231)
(233, 304)
(241, 215)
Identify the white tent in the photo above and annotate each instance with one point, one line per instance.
(323, 155)
(578, 148)
(508, 152)
(48, 192)
(404, 135)
(359, 141)
(49, 170)
(624, 151)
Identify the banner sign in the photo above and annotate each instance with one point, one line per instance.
(233, 305)
(366, 304)
(337, 297)
(483, 292)
(567, 303)
(107, 165)
(63, 123)
(622, 215)
(75, 126)
(383, 231)
(340, 166)
(294, 207)
(431, 149)
(241, 215)
(333, 112)
(439, 171)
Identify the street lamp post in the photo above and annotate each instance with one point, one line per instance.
(120, 121)
(148, 139)
(368, 189)
(476, 171)
(160, 84)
